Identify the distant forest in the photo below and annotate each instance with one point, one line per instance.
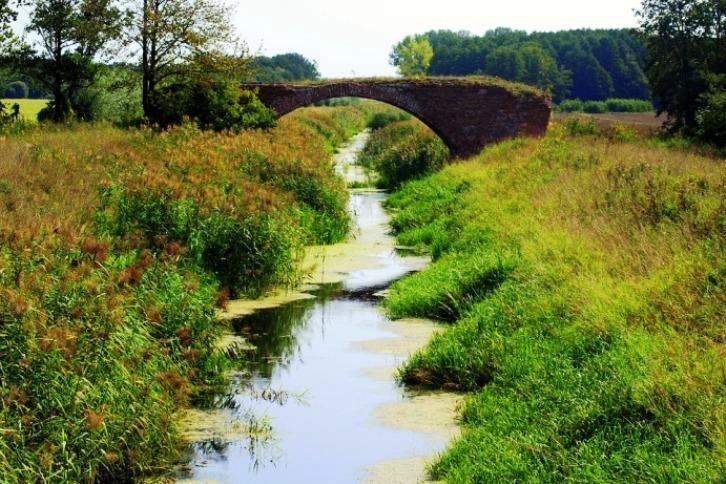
(283, 68)
(583, 64)
(278, 68)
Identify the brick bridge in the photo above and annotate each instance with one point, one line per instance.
(467, 113)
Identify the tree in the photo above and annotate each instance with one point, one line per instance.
(71, 34)
(686, 43)
(174, 33)
(284, 67)
(412, 55)
(7, 15)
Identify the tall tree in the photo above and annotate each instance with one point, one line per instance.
(671, 29)
(284, 67)
(71, 34)
(412, 55)
(174, 33)
(7, 15)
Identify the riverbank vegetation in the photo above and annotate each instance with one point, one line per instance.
(401, 150)
(583, 276)
(115, 248)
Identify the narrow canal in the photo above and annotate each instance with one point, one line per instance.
(318, 402)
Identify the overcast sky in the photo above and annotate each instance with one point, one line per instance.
(350, 38)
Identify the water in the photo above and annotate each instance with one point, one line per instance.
(320, 392)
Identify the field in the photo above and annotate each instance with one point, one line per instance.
(29, 108)
(584, 277)
(643, 123)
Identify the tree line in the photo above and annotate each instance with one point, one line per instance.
(676, 58)
(574, 64)
(163, 59)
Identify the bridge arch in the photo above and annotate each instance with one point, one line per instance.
(466, 113)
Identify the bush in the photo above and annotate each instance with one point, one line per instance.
(613, 105)
(595, 107)
(617, 105)
(218, 105)
(570, 106)
(403, 151)
(711, 119)
(382, 119)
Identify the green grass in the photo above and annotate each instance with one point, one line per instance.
(29, 108)
(583, 274)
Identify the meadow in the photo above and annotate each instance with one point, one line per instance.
(116, 249)
(583, 277)
(29, 108)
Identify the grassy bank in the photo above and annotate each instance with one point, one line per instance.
(115, 248)
(401, 149)
(583, 275)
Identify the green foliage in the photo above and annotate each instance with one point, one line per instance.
(570, 106)
(115, 97)
(628, 105)
(584, 64)
(711, 118)
(284, 68)
(595, 107)
(412, 56)
(217, 105)
(402, 151)
(65, 65)
(610, 105)
(183, 43)
(383, 119)
(687, 47)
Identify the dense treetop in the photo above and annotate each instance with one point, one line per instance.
(284, 67)
(584, 64)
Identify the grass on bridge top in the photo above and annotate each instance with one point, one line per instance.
(489, 81)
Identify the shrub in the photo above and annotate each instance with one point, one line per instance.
(218, 105)
(403, 151)
(570, 106)
(617, 105)
(383, 119)
(595, 107)
(711, 119)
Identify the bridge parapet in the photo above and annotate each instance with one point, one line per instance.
(467, 113)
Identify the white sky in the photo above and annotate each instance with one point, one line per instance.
(353, 39)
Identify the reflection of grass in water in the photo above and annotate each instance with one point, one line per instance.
(272, 331)
(253, 432)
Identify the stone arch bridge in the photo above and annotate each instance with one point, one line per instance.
(466, 113)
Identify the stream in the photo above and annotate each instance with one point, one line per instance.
(318, 402)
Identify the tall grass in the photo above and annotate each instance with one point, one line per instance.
(403, 150)
(593, 341)
(115, 248)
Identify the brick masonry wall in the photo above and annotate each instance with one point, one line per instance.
(467, 115)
